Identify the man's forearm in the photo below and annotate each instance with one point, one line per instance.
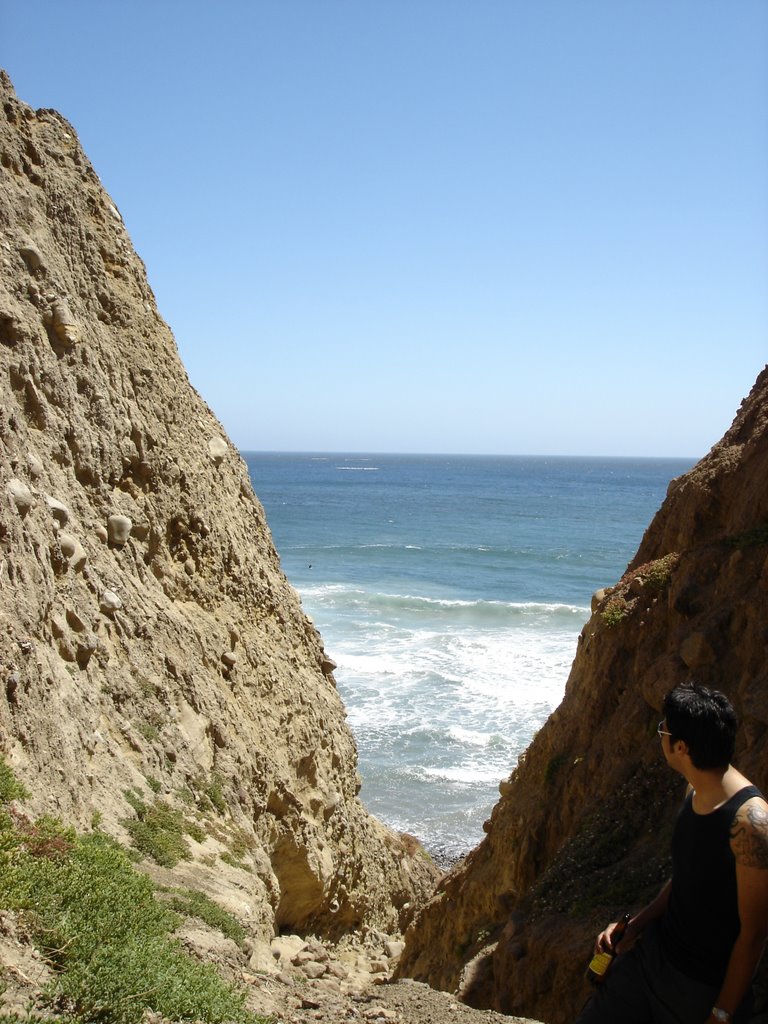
(742, 964)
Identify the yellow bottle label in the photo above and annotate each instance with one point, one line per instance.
(600, 963)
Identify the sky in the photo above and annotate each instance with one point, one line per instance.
(465, 226)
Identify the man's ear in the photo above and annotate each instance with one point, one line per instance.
(681, 747)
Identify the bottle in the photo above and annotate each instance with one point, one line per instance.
(601, 961)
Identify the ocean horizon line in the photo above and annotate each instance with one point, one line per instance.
(370, 453)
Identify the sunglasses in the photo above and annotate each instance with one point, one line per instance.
(661, 730)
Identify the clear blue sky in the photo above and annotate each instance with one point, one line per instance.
(517, 226)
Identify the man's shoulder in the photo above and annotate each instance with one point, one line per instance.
(749, 833)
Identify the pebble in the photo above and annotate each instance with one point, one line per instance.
(109, 602)
(59, 510)
(73, 551)
(20, 495)
(119, 529)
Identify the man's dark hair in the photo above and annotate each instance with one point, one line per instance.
(705, 720)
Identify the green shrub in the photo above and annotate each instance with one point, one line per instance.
(107, 937)
(659, 572)
(193, 903)
(10, 787)
(154, 784)
(158, 832)
(215, 793)
(615, 611)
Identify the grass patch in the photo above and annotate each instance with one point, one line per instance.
(10, 787)
(157, 831)
(98, 924)
(192, 903)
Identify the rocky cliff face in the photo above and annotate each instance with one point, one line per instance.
(582, 827)
(158, 673)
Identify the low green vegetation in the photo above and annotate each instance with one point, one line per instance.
(755, 537)
(100, 927)
(658, 573)
(192, 903)
(615, 611)
(553, 767)
(157, 831)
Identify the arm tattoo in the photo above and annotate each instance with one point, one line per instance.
(749, 836)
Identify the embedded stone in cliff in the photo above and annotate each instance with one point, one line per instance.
(73, 551)
(119, 529)
(64, 324)
(35, 466)
(217, 449)
(20, 495)
(31, 256)
(109, 602)
(59, 510)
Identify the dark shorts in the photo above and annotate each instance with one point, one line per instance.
(641, 987)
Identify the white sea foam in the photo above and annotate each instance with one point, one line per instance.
(443, 693)
(451, 591)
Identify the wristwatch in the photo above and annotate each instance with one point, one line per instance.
(722, 1015)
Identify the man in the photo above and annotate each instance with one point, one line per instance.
(703, 935)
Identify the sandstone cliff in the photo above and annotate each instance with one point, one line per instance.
(581, 831)
(158, 673)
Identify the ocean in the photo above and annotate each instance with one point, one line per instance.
(450, 591)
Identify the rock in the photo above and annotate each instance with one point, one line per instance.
(217, 449)
(313, 970)
(393, 948)
(73, 551)
(20, 495)
(85, 648)
(64, 324)
(229, 658)
(58, 509)
(109, 602)
(31, 256)
(286, 947)
(118, 529)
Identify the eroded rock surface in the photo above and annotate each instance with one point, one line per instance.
(157, 668)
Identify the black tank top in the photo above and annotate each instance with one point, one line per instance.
(701, 921)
